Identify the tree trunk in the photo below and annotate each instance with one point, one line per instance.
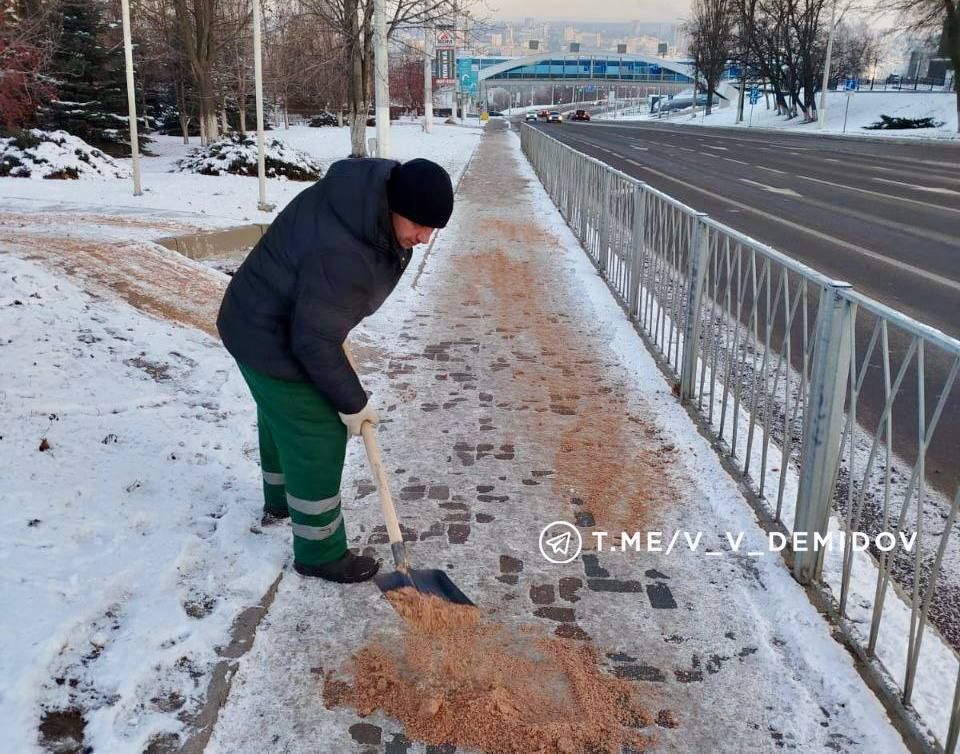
(197, 32)
(242, 94)
(181, 92)
(357, 86)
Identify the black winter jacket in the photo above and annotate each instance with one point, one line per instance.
(328, 260)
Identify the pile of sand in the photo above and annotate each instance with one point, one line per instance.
(454, 679)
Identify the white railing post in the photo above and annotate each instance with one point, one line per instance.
(603, 221)
(822, 427)
(639, 229)
(697, 260)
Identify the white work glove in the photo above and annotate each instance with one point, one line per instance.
(355, 421)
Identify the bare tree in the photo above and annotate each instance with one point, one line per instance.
(712, 41)
(353, 22)
(855, 49)
(786, 45)
(406, 83)
(938, 15)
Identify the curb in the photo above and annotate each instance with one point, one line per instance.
(456, 191)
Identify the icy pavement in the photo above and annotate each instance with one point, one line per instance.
(515, 393)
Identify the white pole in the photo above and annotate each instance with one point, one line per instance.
(382, 83)
(131, 99)
(428, 79)
(262, 204)
(822, 114)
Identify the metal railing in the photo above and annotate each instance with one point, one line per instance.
(806, 386)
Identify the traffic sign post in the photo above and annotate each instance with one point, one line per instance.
(851, 86)
(754, 99)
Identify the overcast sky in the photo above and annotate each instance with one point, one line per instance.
(606, 10)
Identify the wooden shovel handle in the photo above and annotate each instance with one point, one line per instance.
(383, 485)
(379, 473)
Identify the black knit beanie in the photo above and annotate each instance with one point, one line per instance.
(421, 191)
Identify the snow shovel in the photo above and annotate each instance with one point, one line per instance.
(425, 581)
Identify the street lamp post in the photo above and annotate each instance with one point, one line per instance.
(382, 83)
(822, 114)
(262, 205)
(428, 79)
(131, 99)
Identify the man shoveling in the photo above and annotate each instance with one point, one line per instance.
(329, 259)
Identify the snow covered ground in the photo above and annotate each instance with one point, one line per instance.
(229, 200)
(129, 511)
(866, 107)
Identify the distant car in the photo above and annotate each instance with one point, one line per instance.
(544, 114)
(495, 114)
(554, 117)
(581, 115)
(530, 116)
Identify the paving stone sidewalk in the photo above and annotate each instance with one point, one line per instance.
(514, 393)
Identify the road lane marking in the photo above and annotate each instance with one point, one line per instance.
(641, 149)
(739, 162)
(930, 276)
(710, 146)
(634, 162)
(772, 189)
(888, 197)
(931, 189)
(773, 170)
(900, 171)
(944, 238)
(651, 127)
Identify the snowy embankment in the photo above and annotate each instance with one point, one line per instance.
(865, 109)
(229, 200)
(55, 155)
(130, 535)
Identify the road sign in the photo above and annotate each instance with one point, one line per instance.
(852, 84)
(468, 76)
(754, 95)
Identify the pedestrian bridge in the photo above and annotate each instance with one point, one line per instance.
(575, 67)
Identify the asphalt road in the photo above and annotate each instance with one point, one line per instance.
(883, 216)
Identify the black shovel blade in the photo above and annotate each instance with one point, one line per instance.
(424, 580)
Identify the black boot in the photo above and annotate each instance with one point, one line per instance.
(271, 518)
(349, 569)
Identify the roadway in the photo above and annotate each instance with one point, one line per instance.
(885, 217)
(882, 215)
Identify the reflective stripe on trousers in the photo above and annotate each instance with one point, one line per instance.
(274, 478)
(312, 507)
(316, 533)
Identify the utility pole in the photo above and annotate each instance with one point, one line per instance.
(381, 80)
(822, 113)
(428, 78)
(262, 205)
(131, 96)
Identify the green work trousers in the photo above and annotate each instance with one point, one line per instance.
(302, 448)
